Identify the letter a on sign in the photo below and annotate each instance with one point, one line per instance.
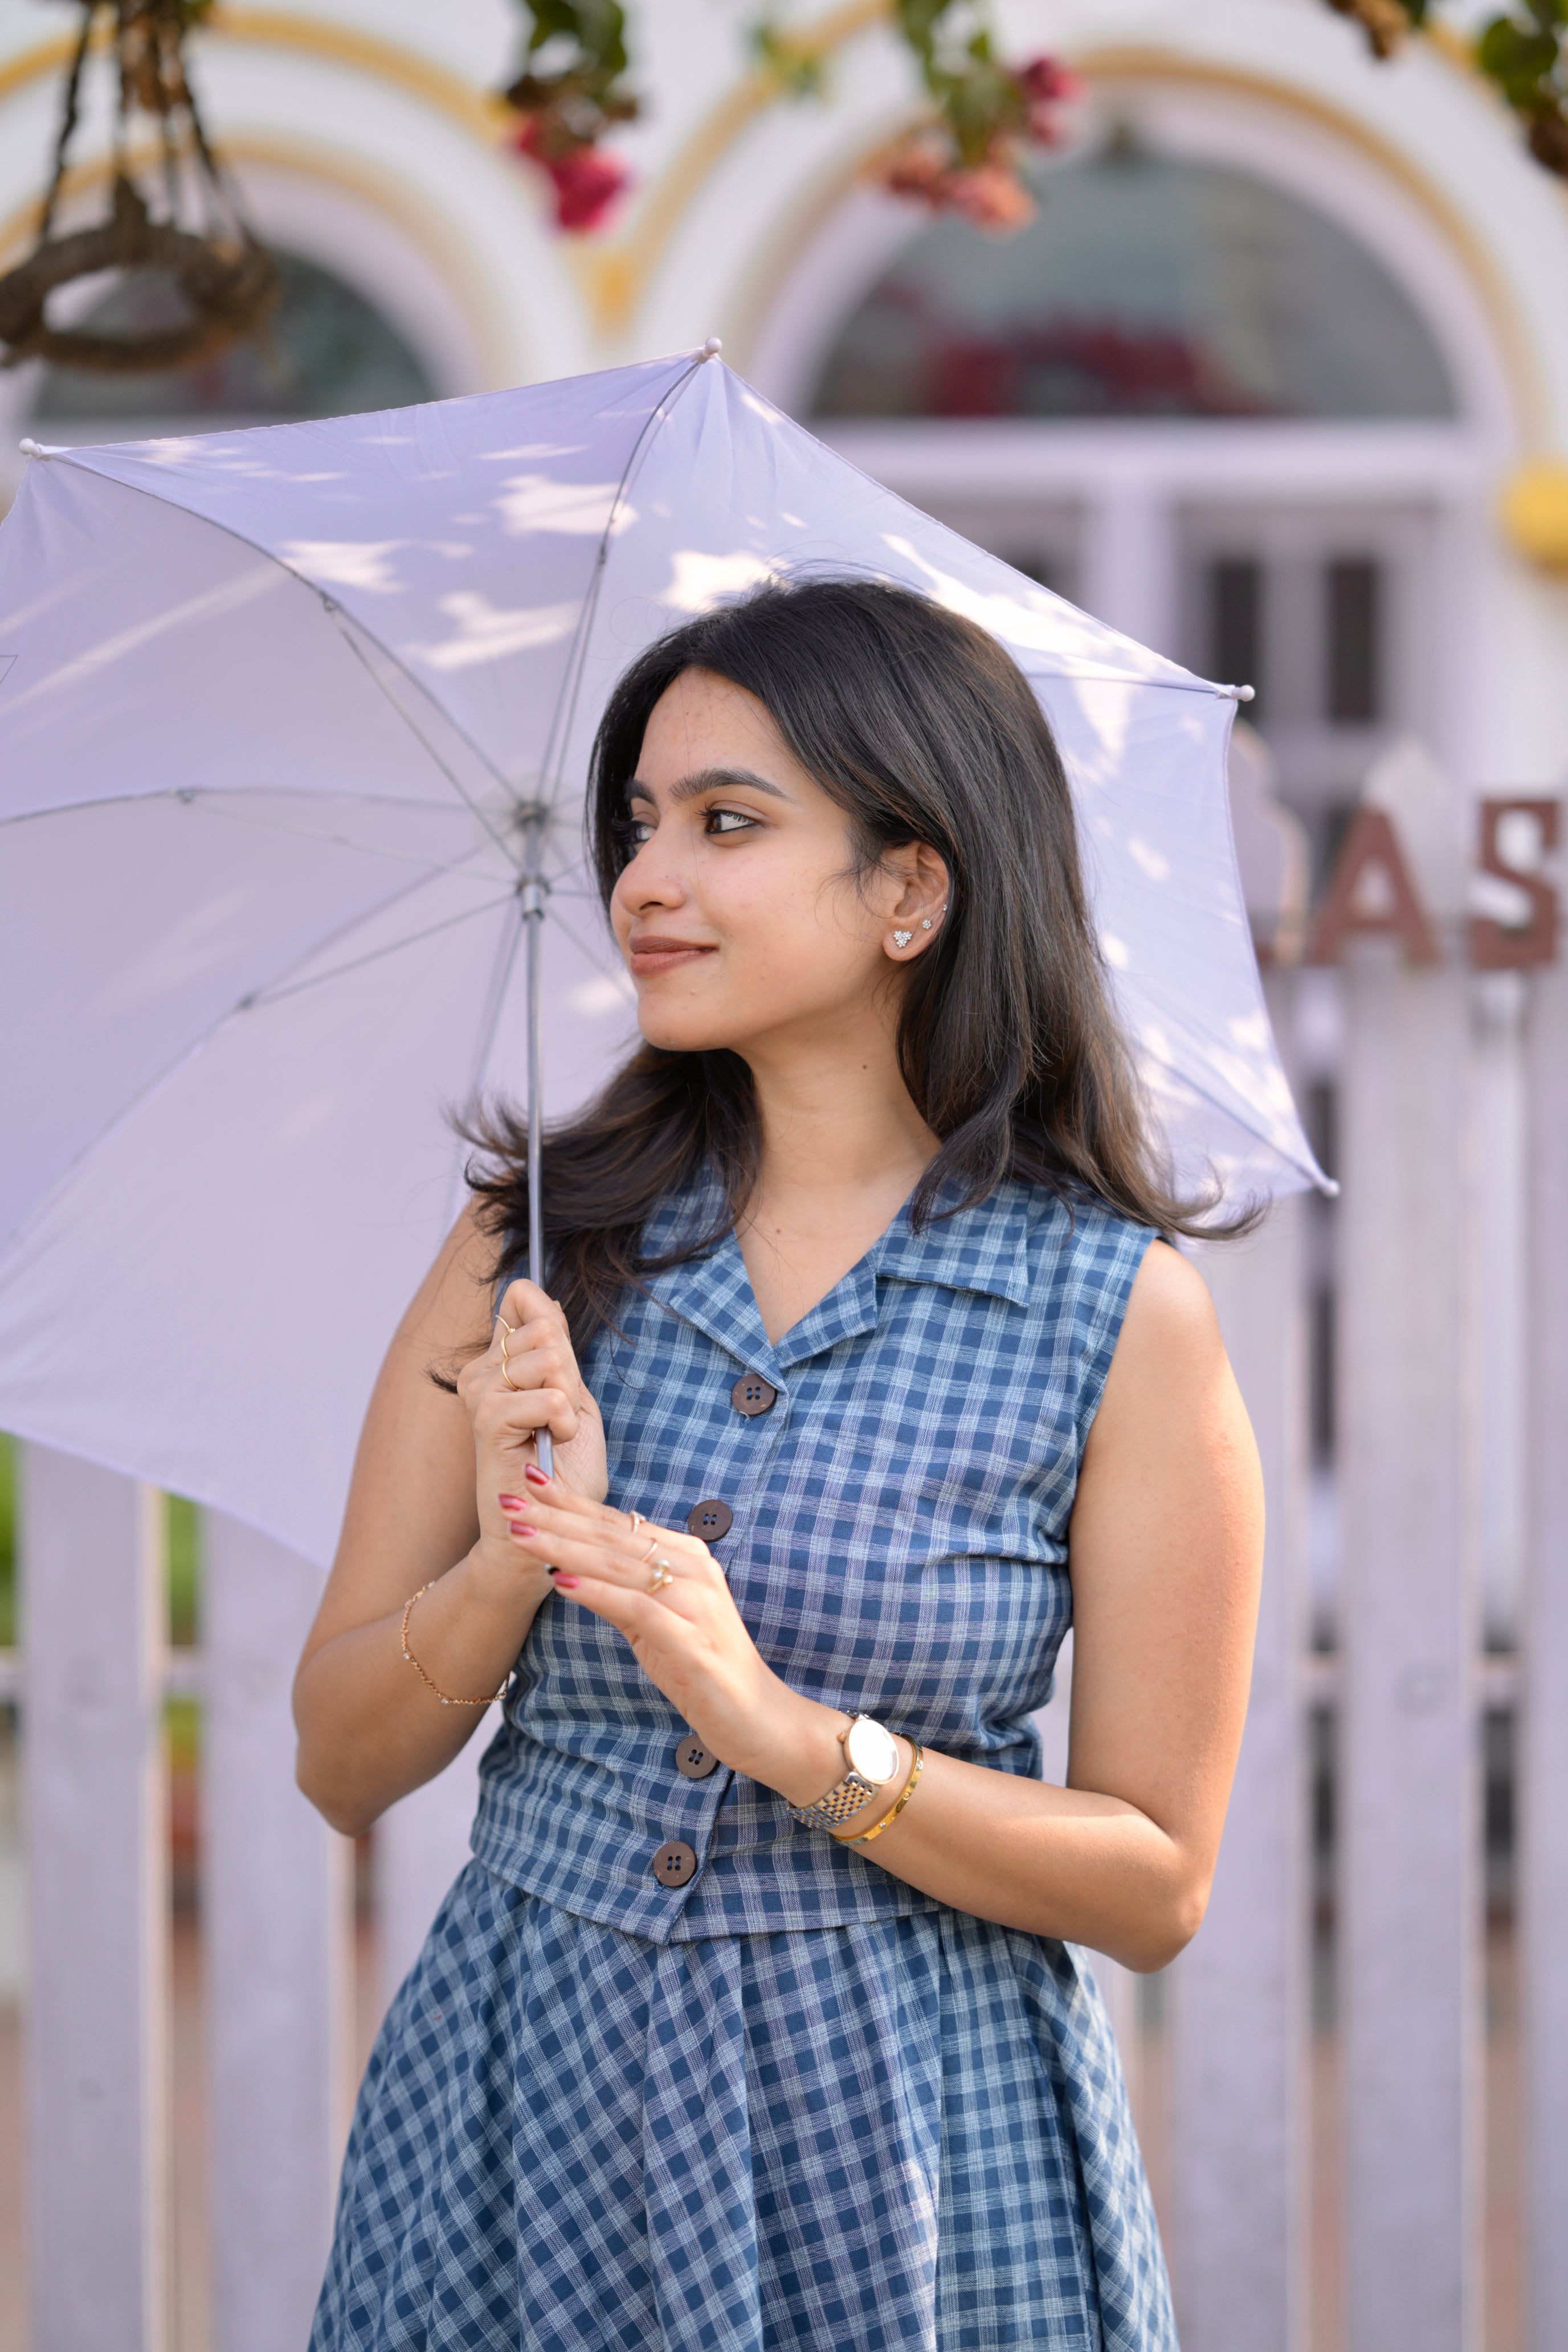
(1371, 896)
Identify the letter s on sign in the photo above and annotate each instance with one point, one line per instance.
(1513, 947)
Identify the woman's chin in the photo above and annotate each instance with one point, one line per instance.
(683, 1029)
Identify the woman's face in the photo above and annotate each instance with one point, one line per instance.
(739, 915)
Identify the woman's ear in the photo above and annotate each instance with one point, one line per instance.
(919, 903)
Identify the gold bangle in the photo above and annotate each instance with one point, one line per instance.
(890, 1817)
(407, 1611)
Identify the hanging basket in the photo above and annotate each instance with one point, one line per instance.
(230, 291)
(227, 282)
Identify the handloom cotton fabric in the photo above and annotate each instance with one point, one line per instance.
(793, 2102)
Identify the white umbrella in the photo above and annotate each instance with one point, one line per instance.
(295, 725)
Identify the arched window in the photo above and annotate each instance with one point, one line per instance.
(1147, 287)
(326, 353)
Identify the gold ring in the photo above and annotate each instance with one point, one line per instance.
(652, 1547)
(505, 1359)
(661, 1576)
(636, 1519)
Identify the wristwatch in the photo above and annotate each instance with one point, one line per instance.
(872, 1755)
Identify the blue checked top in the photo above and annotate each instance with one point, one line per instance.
(898, 1549)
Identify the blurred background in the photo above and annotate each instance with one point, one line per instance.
(1252, 340)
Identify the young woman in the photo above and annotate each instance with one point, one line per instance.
(756, 2022)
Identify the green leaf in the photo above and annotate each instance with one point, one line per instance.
(1518, 60)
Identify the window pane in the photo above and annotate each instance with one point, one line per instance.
(325, 353)
(1236, 626)
(1352, 632)
(1147, 287)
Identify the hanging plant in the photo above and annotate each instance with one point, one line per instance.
(988, 113)
(214, 282)
(570, 92)
(1521, 54)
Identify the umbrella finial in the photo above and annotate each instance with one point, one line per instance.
(32, 448)
(711, 347)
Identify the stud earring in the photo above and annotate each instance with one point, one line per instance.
(925, 922)
(902, 938)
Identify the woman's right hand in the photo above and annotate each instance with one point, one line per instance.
(545, 1390)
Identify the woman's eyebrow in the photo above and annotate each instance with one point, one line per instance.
(708, 780)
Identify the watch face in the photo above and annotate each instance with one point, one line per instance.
(872, 1751)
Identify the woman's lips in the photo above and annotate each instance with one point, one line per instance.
(647, 956)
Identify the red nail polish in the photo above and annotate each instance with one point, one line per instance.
(534, 1475)
(511, 1502)
(521, 1527)
(569, 1581)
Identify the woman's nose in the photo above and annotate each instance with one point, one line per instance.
(646, 882)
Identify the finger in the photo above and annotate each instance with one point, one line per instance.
(525, 1302)
(554, 1493)
(627, 1554)
(535, 1355)
(509, 1415)
(581, 1556)
(632, 1614)
(614, 1528)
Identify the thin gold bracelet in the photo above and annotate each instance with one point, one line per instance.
(407, 1611)
(890, 1817)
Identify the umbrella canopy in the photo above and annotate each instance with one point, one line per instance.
(295, 724)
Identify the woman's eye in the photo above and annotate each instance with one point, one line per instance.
(639, 832)
(730, 821)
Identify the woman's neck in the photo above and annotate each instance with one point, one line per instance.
(843, 1148)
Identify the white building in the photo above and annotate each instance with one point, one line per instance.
(1250, 387)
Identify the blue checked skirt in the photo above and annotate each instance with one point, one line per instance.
(901, 2135)
(792, 2102)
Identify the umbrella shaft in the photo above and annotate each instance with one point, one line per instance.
(534, 920)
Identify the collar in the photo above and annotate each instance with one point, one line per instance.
(985, 1248)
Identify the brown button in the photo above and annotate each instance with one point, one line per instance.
(674, 1863)
(711, 1521)
(692, 1758)
(752, 1395)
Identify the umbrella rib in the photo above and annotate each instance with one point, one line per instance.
(331, 608)
(596, 955)
(500, 983)
(263, 997)
(345, 931)
(1308, 1168)
(565, 710)
(347, 634)
(342, 840)
(213, 793)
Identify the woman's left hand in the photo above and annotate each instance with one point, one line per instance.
(685, 1632)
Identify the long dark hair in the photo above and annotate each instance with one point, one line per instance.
(922, 729)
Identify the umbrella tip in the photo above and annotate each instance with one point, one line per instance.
(711, 347)
(1243, 693)
(32, 448)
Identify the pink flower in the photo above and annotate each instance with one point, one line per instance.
(989, 194)
(1048, 91)
(585, 182)
(992, 196)
(586, 185)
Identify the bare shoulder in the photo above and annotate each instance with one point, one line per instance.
(1169, 1376)
(1169, 1311)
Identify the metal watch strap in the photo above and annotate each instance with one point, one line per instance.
(845, 1798)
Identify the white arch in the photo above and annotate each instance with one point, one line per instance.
(836, 267)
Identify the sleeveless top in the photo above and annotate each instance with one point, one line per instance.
(900, 1468)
